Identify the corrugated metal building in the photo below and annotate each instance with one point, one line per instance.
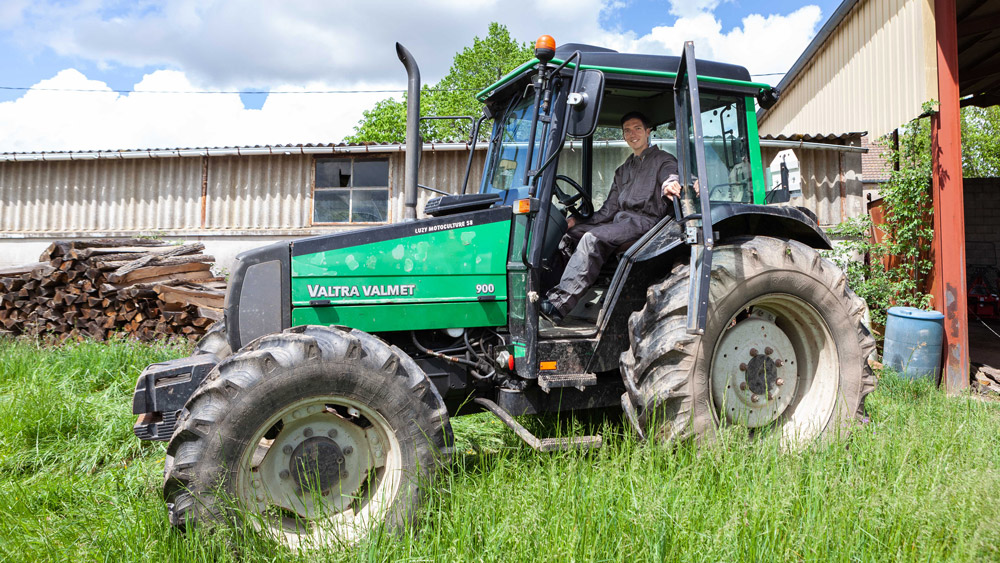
(870, 68)
(236, 198)
(830, 167)
(231, 198)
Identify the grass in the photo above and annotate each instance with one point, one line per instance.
(919, 482)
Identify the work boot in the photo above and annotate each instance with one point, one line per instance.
(550, 312)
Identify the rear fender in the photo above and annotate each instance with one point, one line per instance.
(777, 221)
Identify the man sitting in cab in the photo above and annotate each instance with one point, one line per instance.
(637, 201)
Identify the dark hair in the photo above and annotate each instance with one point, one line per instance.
(637, 115)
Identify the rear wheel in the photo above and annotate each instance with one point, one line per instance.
(785, 347)
(316, 435)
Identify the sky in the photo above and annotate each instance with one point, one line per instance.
(111, 75)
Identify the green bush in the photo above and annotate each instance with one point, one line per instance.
(906, 235)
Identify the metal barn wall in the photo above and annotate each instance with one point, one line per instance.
(234, 195)
(831, 182)
(80, 197)
(443, 170)
(872, 73)
(259, 192)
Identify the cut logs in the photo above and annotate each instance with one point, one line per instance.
(145, 288)
(986, 380)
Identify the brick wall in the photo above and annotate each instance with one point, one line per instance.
(982, 220)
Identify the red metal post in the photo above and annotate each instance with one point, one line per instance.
(949, 211)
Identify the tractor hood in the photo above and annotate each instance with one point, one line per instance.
(441, 272)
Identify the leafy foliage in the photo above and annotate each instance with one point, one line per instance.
(897, 261)
(474, 68)
(981, 142)
(895, 255)
(384, 123)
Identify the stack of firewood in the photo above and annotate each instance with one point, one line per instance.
(143, 287)
(986, 379)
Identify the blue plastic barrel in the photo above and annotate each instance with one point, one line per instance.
(913, 341)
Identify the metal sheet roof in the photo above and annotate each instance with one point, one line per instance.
(256, 150)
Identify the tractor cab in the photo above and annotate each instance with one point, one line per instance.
(554, 148)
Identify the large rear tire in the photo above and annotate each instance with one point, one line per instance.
(315, 435)
(785, 347)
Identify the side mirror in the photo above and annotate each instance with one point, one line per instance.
(586, 103)
(767, 97)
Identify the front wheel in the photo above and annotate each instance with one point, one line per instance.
(785, 347)
(215, 342)
(316, 435)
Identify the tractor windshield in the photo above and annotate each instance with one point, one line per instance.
(509, 147)
(727, 155)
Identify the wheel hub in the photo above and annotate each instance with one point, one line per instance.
(753, 371)
(761, 374)
(317, 465)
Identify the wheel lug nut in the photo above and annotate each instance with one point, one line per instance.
(779, 382)
(768, 351)
(743, 367)
(753, 352)
(754, 398)
(307, 432)
(348, 450)
(779, 362)
(344, 474)
(770, 396)
(284, 474)
(743, 386)
(287, 450)
(332, 433)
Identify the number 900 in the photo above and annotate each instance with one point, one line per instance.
(485, 288)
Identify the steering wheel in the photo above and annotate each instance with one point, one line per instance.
(586, 206)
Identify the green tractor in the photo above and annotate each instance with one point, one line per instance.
(321, 407)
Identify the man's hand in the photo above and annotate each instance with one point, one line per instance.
(570, 222)
(671, 188)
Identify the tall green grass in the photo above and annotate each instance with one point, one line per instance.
(919, 482)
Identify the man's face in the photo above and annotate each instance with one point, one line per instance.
(635, 134)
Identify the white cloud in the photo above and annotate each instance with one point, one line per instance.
(11, 13)
(51, 120)
(307, 45)
(763, 44)
(689, 8)
(233, 44)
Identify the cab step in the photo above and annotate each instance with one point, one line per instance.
(577, 380)
(539, 444)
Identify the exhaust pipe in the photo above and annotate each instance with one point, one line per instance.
(413, 144)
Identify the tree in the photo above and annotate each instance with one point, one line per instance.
(384, 123)
(474, 68)
(980, 142)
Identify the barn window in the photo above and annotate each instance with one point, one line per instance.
(351, 190)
